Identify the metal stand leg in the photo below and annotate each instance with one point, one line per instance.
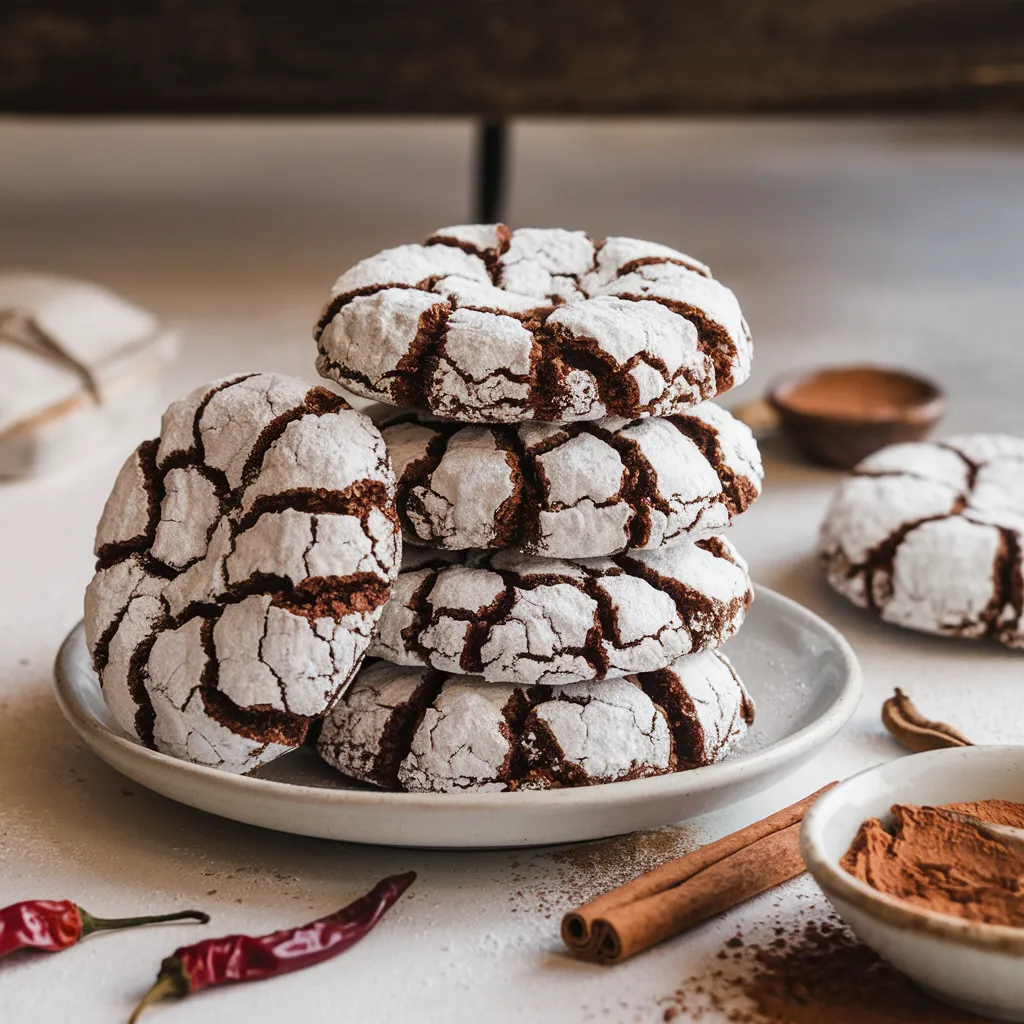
(492, 147)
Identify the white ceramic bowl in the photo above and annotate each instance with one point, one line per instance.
(978, 967)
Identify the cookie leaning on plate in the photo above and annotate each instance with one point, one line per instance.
(573, 491)
(424, 731)
(525, 620)
(930, 536)
(486, 325)
(243, 558)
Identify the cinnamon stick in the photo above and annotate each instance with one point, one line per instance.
(683, 892)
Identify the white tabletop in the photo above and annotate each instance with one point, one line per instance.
(903, 243)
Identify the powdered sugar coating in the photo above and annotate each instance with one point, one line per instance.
(424, 731)
(575, 491)
(929, 536)
(486, 325)
(525, 620)
(243, 559)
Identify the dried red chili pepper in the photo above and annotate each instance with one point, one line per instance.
(56, 924)
(250, 958)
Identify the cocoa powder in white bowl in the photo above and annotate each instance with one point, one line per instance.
(973, 965)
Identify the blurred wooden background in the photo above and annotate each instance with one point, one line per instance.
(499, 59)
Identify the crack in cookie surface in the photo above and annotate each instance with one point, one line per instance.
(571, 490)
(243, 559)
(928, 536)
(482, 324)
(419, 730)
(520, 619)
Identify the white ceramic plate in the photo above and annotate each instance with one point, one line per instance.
(801, 673)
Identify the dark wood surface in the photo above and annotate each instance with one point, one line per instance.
(497, 59)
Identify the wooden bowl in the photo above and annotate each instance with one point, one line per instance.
(838, 415)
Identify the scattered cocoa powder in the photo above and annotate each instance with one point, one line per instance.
(825, 974)
(553, 881)
(934, 859)
(811, 973)
(610, 862)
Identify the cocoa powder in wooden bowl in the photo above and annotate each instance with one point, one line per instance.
(839, 415)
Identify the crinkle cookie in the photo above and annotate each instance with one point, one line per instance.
(929, 536)
(486, 325)
(425, 731)
(521, 619)
(243, 559)
(575, 491)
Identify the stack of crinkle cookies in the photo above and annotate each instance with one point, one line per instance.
(561, 481)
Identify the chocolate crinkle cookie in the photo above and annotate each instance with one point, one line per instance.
(572, 491)
(243, 559)
(521, 619)
(486, 325)
(425, 731)
(929, 536)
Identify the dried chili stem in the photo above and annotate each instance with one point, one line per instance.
(92, 924)
(166, 988)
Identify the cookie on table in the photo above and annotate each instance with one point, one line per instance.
(425, 731)
(929, 536)
(243, 559)
(520, 619)
(574, 491)
(486, 325)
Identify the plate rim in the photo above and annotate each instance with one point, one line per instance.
(790, 748)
